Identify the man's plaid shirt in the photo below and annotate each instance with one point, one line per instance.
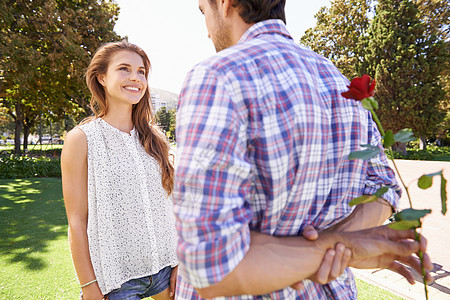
(263, 138)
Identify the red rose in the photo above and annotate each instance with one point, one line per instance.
(360, 88)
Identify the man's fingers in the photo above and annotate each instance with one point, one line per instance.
(310, 233)
(345, 259)
(427, 262)
(333, 264)
(298, 286)
(402, 270)
(405, 235)
(415, 264)
(323, 273)
(401, 248)
(392, 234)
(423, 243)
(337, 261)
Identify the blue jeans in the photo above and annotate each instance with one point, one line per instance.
(143, 287)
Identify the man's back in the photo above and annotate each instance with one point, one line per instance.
(265, 139)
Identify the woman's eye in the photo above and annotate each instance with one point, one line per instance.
(142, 72)
(123, 69)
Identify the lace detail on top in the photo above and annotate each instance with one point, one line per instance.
(131, 227)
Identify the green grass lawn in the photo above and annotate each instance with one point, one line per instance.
(367, 291)
(34, 253)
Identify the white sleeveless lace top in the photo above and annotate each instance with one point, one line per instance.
(131, 227)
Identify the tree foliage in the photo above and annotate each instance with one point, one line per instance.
(403, 44)
(45, 46)
(339, 34)
(436, 15)
(166, 121)
(406, 60)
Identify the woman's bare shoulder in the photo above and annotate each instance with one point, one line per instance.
(76, 135)
(75, 144)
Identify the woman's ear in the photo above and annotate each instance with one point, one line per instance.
(101, 79)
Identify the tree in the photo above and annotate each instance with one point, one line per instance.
(406, 61)
(413, 42)
(6, 124)
(339, 34)
(163, 119)
(436, 14)
(166, 120)
(173, 123)
(45, 46)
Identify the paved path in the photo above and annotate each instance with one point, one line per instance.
(436, 229)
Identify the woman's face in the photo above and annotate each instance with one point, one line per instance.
(124, 81)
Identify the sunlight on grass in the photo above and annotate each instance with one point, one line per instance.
(33, 243)
(23, 201)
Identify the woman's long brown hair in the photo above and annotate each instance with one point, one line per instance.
(150, 136)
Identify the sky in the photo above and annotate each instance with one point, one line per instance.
(174, 36)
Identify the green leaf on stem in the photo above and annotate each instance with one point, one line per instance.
(404, 136)
(370, 103)
(426, 180)
(405, 225)
(367, 104)
(411, 214)
(388, 139)
(373, 102)
(363, 199)
(381, 191)
(443, 194)
(369, 198)
(365, 154)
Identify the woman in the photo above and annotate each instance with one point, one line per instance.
(117, 181)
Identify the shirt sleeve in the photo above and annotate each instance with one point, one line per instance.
(379, 173)
(211, 180)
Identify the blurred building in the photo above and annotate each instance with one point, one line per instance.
(161, 98)
(157, 102)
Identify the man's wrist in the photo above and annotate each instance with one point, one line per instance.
(329, 239)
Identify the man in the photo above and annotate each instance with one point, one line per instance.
(263, 138)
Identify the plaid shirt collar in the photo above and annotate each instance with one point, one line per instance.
(273, 26)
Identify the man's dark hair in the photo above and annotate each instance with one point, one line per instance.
(253, 11)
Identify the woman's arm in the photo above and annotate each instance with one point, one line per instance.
(74, 181)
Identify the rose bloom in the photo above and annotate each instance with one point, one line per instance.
(360, 88)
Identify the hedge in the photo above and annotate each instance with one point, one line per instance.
(26, 167)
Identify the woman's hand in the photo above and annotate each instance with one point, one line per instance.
(92, 292)
(173, 281)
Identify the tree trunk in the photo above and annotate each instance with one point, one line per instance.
(400, 148)
(27, 124)
(26, 133)
(423, 143)
(18, 130)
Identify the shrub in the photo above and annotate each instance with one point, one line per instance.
(431, 153)
(25, 167)
(47, 153)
